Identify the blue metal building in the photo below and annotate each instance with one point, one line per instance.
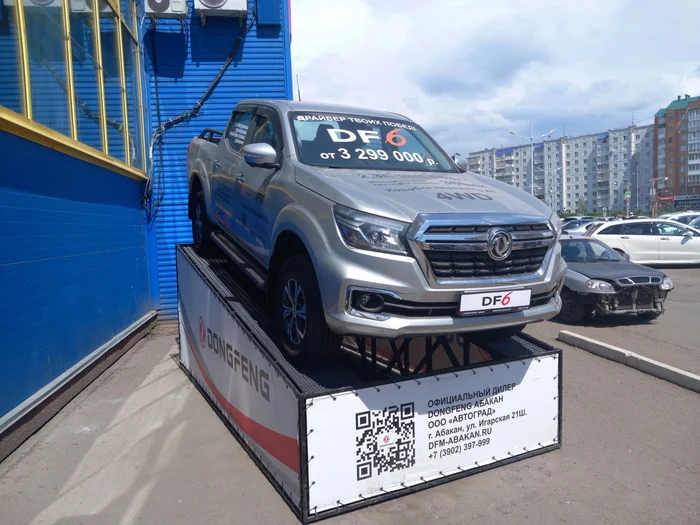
(91, 207)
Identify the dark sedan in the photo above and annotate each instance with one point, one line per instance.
(599, 281)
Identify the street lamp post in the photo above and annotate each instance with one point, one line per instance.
(532, 151)
(654, 196)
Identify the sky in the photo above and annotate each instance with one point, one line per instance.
(469, 71)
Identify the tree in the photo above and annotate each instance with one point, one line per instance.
(582, 207)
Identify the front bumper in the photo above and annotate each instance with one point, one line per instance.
(633, 299)
(345, 268)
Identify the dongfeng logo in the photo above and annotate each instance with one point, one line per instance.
(500, 244)
(202, 333)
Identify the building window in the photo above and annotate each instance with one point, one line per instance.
(670, 150)
(47, 47)
(87, 87)
(11, 81)
(82, 70)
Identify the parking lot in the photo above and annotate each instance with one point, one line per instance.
(674, 338)
(141, 445)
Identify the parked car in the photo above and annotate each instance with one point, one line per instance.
(652, 241)
(578, 218)
(356, 222)
(575, 225)
(685, 218)
(600, 281)
(582, 228)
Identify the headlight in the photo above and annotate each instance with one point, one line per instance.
(371, 232)
(666, 284)
(599, 286)
(556, 224)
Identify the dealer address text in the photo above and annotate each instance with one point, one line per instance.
(466, 421)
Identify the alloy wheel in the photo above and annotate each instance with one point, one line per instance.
(294, 311)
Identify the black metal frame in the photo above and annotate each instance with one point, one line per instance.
(380, 375)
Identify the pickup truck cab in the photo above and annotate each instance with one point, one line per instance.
(356, 222)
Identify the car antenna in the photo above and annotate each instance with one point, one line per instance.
(298, 88)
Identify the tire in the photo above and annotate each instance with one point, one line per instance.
(572, 310)
(649, 315)
(497, 334)
(306, 340)
(202, 228)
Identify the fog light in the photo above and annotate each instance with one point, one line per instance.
(370, 302)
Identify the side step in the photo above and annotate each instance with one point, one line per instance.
(253, 270)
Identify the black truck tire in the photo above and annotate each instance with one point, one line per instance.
(299, 317)
(202, 227)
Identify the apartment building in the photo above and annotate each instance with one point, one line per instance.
(677, 148)
(586, 172)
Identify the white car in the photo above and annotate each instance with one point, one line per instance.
(652, 241)
(584, 227)
(685, 217)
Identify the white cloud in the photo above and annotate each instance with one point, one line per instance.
(467, 70)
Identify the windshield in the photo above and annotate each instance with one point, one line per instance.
(695, 223)
(587, 250)
(359, 142)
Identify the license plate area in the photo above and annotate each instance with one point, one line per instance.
(502, 301)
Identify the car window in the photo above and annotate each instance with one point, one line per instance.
(636, 228)
(238, 129)
(670, 230)
(587, 250)
(686, 219)
(265, 132)
(611, 230)
(362, 142)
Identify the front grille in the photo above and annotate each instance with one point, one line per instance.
(466, 265)
(460, 251)
(629, 281)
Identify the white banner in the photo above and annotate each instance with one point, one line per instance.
(238, 378)
(376, 440)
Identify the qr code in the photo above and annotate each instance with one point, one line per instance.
(385, 440)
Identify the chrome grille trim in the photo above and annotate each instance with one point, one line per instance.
(456, 234)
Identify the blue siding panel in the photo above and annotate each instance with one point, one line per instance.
(73, 265)
(180, 67)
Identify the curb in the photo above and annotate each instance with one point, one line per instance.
(643, 364)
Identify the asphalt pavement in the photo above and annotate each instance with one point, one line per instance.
(673, 338)
(141, 446)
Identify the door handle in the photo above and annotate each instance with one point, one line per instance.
(624, 237)
(216, 164)
(665, 238)
(240, 177)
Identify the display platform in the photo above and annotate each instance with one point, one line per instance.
(387, 419)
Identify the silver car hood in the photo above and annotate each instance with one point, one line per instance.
(402, 195)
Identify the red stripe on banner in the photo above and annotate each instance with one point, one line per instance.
(281, 447)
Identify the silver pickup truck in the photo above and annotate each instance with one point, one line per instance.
(355, 222)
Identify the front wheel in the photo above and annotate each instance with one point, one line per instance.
(572, 309)
(299, 314)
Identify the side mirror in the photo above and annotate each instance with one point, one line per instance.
(460, 162)
(689, 233)
(260, 155)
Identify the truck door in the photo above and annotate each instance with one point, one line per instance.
(255, 198)
(226, 161)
